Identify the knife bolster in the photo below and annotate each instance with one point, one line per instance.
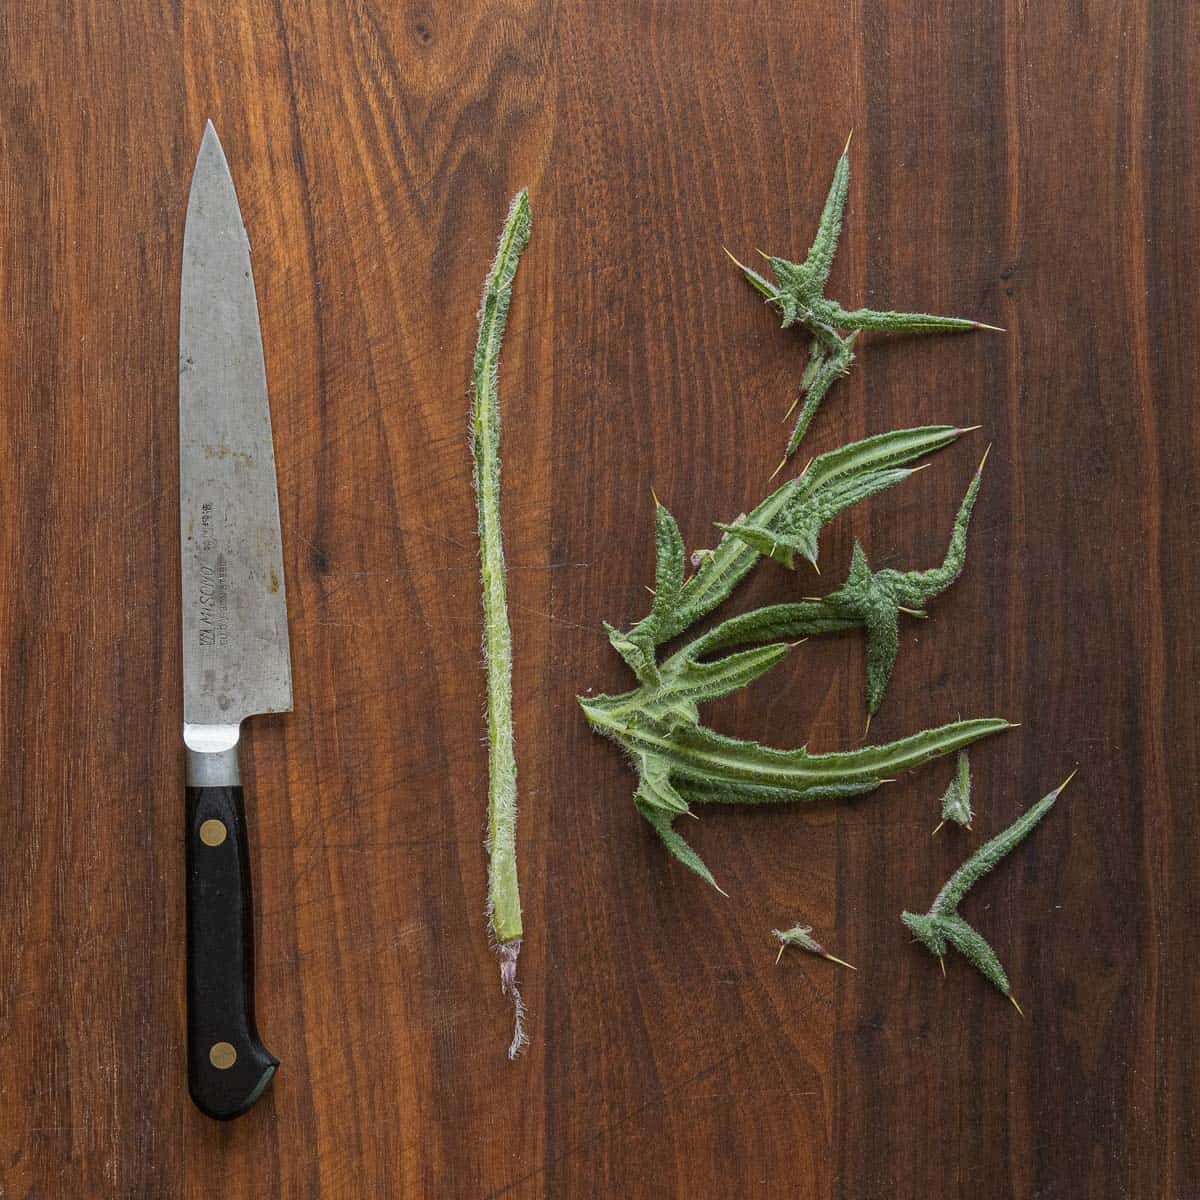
(212, 755)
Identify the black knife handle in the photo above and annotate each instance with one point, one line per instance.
(228, 1067)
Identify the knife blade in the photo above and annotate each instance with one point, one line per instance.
(236, 658)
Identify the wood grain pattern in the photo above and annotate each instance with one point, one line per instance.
(1034, 165)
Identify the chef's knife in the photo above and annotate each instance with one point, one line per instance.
(235, 639)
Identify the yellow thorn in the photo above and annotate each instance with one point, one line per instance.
(969, 429)
(721, 890)
(943, 962)
(939, 826)
(657, 501)
(867, 726)
(782, 464)
(1064, 783)
(762, 254)
(985, 325)
(816, 568)
(1015, 1004)
(922, 467)
(979, 469)
(731, 258)
(805, 471)
(841, 962)
(648, 588)
(793, 645)
(968, 827)
(846, 147)
(782, 948)
(790, 411)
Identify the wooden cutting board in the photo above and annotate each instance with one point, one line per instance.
(1029, 165)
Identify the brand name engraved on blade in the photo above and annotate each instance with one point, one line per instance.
(212, 595)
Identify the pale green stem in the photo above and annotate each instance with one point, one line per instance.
(504, 899)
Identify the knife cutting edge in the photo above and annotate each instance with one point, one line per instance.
(236, 660)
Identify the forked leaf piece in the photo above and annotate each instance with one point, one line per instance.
(798, 293)
(877, 598)
(941, 926)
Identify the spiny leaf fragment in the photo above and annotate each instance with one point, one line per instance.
(956, 802)
(877, 598)
(941, 926)
(703, 766)
(798, 292)
(801, 937)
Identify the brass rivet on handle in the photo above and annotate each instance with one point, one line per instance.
(222, 1055)
(213, 833)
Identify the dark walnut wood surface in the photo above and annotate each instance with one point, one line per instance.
(1033, 165)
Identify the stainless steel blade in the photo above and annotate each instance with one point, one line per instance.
(236, 659)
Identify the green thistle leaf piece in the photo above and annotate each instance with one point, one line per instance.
(956, 803)
(679, 760)
(798, 526)
(877, 598)
(832, 483)
(825, 367)
(941, 926)
(801, 937)
(679, 849)
(798, 293)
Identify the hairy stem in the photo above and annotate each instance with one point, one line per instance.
(504, 898)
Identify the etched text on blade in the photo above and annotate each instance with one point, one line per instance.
(235, 641)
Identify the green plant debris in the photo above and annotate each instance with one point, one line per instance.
(801, 937)
(680, 762)
(942, 927)
(798, 293)
(877, 598)
(956, 802)
(504, 899)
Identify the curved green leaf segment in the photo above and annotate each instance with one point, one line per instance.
(504, 899)
(798, 293)
(942, 927)
(801, 937)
